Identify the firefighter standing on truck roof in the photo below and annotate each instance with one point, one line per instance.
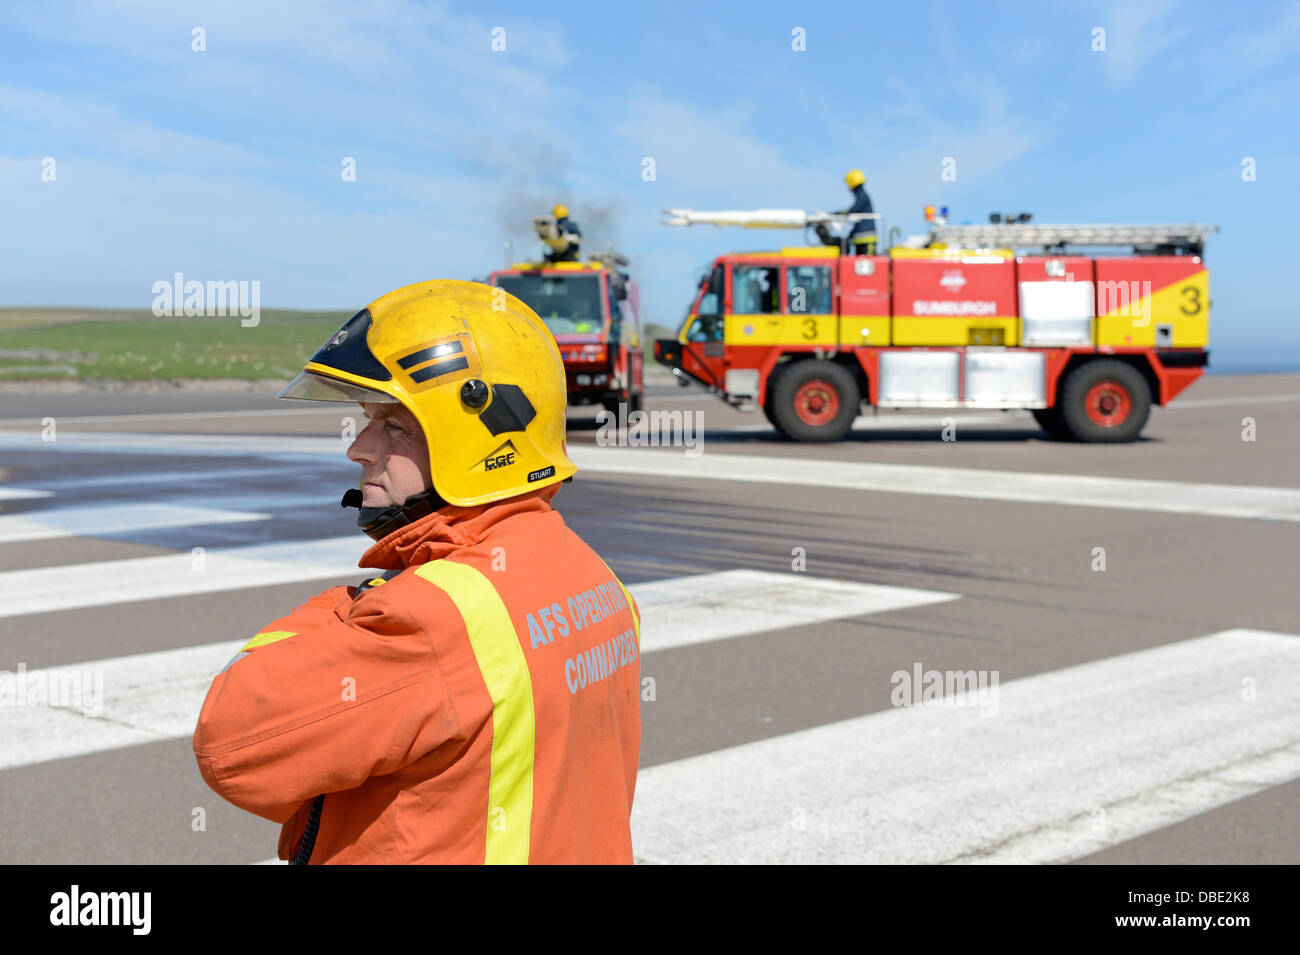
(479, 701)
(568, 229)
(862, 235)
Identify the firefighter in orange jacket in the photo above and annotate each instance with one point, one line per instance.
(479, 700)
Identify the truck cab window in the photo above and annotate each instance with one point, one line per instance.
(808, 289)
(755, 290)
(705, 328)
(711, 297)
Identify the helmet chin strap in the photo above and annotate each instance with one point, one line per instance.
(379, 522)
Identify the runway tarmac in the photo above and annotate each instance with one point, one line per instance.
(1128, 614)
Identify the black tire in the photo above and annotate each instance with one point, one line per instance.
(769, 400)
(635, 387)
(844, 402)
(1049, 419)
(776, 425)
(635, 401)
(1111, 384)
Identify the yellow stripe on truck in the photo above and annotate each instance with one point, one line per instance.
(505, 673)
(1183, 304)
(938, 330)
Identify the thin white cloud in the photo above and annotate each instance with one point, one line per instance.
(102, 233)
(435, 119)
(1280, 39)
(703, 151)
(1137, 34)
(100, 128)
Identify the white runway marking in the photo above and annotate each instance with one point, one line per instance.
(49, 589)
(889, 421)
(1072, 761)
(144, 416)
(155, 696)
(297, 471)
(1234, 400)
(686, 610)
(97, 520)
(204, 445)
(20, 493)
(1025, 487)
(146, 697)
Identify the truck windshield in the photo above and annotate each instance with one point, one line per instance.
(568, 304)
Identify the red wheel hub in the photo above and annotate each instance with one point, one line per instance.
(1108, 404)
(816, 402)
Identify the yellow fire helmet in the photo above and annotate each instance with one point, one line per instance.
(478, 369)
(854, 178)
(560, 212)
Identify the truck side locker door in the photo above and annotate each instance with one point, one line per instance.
(864, 300)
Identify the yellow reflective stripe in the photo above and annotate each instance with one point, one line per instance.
(270, 636)
(636, 617)
(505, 671)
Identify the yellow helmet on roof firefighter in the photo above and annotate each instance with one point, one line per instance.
(862, 235)
(569, 231)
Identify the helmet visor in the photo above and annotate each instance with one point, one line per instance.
(312, 386)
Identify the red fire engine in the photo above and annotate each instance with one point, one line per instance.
(593, 310)
(953, 319)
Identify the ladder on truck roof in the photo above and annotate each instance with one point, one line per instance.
(1143, 238)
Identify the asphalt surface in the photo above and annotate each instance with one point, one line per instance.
(1137, 604)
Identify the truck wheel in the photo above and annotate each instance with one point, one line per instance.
(770, 414)
(1049, 419)
(769, 400)
(1105, 401)
(815, 400)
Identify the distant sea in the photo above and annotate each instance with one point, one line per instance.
(1253, 358)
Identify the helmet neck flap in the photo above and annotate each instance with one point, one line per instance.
(379, 522)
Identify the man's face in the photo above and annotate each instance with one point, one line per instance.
(393, 455)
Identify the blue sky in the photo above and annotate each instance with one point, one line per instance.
(225, 164)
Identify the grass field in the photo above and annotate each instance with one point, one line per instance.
(87, 343)
(64, 343)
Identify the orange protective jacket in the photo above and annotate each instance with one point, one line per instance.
(480, 705)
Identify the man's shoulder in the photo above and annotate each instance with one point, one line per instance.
(390, 593)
